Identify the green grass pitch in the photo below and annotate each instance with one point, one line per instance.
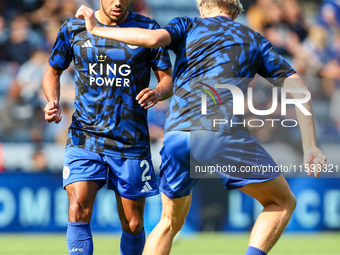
(198, 244)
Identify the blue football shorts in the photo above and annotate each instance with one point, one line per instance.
(242, 158)
(130, 178)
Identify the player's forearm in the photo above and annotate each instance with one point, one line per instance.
(51, 84)
(164, 88)
(307, 127)
(306, 122)
(136, 36)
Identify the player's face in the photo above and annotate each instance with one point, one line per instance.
(115, 10)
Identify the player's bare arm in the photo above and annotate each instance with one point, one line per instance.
(147, 98)
(136, 36)
(312, 154)
(51, 87)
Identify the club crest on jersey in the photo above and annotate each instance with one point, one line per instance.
(106, 71)
(101, 58)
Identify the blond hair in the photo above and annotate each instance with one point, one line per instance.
(225, 6)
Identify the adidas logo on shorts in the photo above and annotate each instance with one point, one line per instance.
(147, 187)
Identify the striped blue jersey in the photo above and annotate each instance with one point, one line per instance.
(108, 76)
(213, 51)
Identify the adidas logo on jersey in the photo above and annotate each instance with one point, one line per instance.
(147, 187)
(87, 44)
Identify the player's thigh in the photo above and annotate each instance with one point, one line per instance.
(176, 209)
(132, 178)
(82, 193)
(273, 191)
(81, 196)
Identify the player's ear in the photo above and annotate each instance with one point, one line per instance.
(201, 12)
(234, 15)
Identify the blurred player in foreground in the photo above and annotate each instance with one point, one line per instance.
(216, 48)
(108, 140)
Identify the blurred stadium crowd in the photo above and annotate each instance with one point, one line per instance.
(307, 33)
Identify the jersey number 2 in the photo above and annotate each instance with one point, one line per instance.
(142, 164)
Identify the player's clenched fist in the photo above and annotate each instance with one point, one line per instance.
(147, 98)
(87, 14)
(52, 112)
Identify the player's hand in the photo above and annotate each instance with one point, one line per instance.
(147, 98)
(314, 160)
(52, 112)
(87, 14)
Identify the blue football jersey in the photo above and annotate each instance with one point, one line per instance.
(213, 51)
(108, 76)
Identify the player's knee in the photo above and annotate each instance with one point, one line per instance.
(79, 213)
(178, 225)
(174, 225)
(134, 226)
(291, 203)
(288, 203)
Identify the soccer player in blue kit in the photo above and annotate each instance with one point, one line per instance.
(212, 50)
(108, 140)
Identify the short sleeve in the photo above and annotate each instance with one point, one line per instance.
(177, 28)
(61, 55)
(159, 57)
(273, 66)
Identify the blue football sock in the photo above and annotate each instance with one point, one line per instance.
(79, 238)
(254, 251)
(132, 245)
